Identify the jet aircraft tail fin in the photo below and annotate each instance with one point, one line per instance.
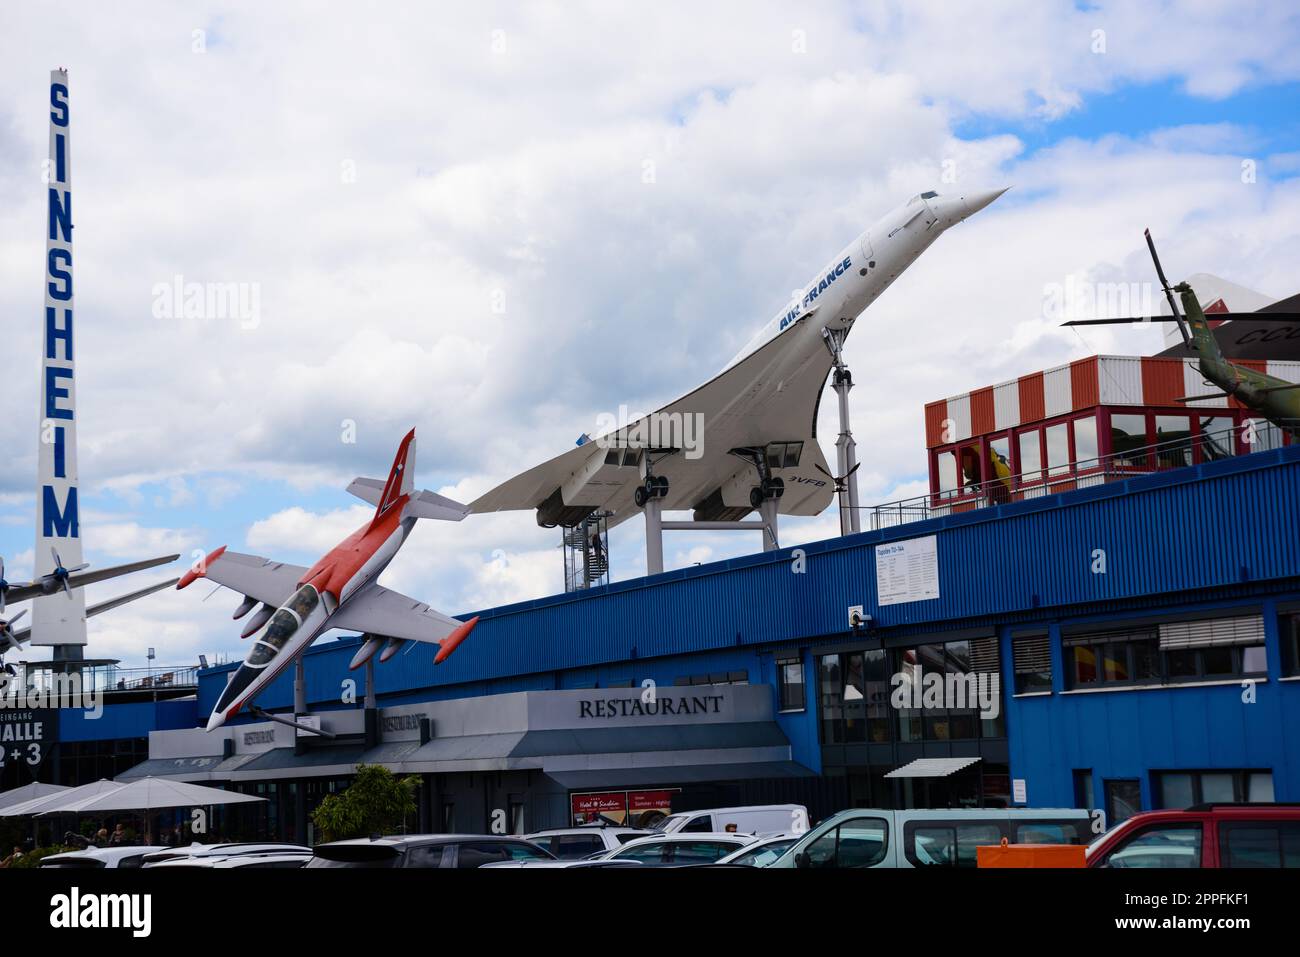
(383, 494)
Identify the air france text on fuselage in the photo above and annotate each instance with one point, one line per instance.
(817, 289)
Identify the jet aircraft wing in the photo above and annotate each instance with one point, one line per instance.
(759, 404)
(251, 575)
(381, 611)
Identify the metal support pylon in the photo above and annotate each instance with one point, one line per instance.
(846, 456)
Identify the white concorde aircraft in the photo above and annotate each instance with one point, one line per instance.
(749, 433)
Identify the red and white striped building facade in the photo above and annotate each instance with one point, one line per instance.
(1079, 415)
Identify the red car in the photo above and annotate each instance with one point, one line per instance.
(1207, 835)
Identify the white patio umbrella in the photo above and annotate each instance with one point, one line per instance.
(29, 792)
(51, 802)
(151, 794)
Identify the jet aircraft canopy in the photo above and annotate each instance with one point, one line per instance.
(282, 626)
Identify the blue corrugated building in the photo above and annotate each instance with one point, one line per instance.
(1143, 634)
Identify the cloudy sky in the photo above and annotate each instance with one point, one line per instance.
(497, 224)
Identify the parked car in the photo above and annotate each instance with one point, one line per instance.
(615, 863)
(98, 857)
(285, 861)
(576, 843)
(763, 852)
(757, 819)
(427, 850)
(1207, 835)
(929, 838)
(679, 850)
(230, 849)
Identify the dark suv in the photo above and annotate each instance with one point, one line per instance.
(427, 850)
(1208, 835)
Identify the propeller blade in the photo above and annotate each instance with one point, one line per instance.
(80, 568)
(856, 466)
(819, 468)
(58, 562)
(17, 616)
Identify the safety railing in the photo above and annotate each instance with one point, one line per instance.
(1174, 453)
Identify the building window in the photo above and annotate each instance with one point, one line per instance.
(1058, 449)
(1123, 799)
(1288, 635)
(1173, 441)
(876, 688)
(1128, 434)
(832, 700)
(1218, 437)
(947, 471)
(977, 662)
(1085, 442)
(1031, 457)
(1261, 435)
(1084, 794)
(1183, 789)
(1033, 660)
(1168, 653)
(715, 678)
(790, 675)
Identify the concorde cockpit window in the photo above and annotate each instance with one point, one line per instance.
(304, 601)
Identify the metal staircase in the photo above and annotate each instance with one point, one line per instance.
(586, 552)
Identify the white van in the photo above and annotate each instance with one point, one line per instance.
(929, 838)
(759, 819)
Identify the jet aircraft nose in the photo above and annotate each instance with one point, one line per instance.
(972, 203)
(216, 720)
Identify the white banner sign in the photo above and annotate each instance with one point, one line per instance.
(907, 571)
(58, 619)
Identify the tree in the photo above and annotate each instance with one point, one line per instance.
(377, 802)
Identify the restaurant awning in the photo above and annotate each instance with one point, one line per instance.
(931, 767)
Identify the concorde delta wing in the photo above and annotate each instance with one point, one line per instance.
(765, 405)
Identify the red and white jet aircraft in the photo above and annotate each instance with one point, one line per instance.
(339, 591)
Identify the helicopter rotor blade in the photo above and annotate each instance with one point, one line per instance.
(1291, 317)
(1169, 293)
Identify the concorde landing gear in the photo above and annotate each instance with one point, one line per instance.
(650, 495)
(654, 486)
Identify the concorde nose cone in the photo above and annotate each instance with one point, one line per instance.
(216, 720)
(974, 202)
